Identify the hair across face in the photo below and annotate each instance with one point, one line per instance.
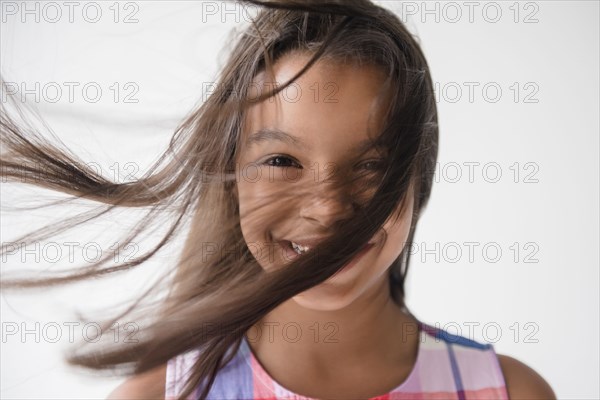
(293, 148)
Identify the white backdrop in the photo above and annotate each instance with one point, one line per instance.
(508, 246)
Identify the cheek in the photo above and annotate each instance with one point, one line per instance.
(264, 211)
(253, 221)
(261, 206)
(251, 208)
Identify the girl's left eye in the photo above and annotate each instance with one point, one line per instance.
(374, 165)
(278, 160)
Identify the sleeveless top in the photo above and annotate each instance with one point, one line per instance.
(447, 367)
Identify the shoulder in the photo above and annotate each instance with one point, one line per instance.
(522, 382)
(149, 385)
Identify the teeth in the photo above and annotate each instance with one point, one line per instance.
(298, 248)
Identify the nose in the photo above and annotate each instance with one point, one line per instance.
(325, 208)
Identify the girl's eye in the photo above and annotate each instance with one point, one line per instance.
(280, 161)
(373, 165)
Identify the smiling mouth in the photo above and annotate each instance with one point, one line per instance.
(300, 249)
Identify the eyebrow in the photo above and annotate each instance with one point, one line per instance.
(268, 134)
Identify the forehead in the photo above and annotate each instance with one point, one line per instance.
(332, 105)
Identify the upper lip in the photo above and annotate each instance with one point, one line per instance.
(307, 242)
(310, 242)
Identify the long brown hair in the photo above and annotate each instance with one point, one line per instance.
(213, 297)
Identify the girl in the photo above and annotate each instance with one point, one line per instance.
(306, 172)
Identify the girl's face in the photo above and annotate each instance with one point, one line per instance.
(295, 143)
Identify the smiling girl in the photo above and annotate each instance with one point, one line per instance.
(291, 283)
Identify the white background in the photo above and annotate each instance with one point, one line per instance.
(543, 313)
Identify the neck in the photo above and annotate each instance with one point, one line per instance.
(371, 329)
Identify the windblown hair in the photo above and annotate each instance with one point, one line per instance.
(214, 297)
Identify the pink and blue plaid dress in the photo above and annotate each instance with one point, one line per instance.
(447, 367)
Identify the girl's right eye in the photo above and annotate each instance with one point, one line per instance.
(278, 160)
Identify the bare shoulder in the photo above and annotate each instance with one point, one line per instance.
(149, 385)
(523, 382)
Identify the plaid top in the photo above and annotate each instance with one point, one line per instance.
(447, 367)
